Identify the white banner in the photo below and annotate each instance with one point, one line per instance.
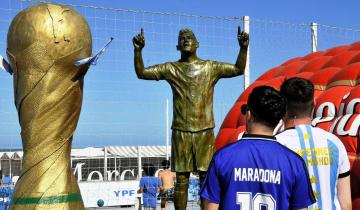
(112, 193)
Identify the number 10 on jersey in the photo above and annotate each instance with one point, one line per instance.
(258, 202)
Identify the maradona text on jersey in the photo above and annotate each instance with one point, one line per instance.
(257, 175)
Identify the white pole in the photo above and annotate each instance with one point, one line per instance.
(246, 26)
(167, 128)
(115, 168)
(139, 162)
(10, 175)
(314, 37)
(105, 164)
(119, 168)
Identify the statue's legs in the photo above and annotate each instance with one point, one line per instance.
(191, 151)
(202, 175)
(181, 190)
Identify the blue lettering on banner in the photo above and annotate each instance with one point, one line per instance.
(131, 192)
(124, 193)
(117, 193)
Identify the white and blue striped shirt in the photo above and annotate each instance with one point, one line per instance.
(325, 157)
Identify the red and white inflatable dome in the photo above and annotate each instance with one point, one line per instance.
(336, 77)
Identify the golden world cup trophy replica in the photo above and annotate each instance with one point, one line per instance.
(43, 42)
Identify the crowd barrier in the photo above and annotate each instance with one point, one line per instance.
(119, 193)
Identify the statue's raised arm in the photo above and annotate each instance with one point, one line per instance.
(139, 44)
(243, 39)
(227, 70)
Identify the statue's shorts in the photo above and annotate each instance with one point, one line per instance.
(191, 151)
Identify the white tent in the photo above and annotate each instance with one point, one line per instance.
(135, 151)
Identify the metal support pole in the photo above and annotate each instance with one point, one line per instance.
(314, 37)
(167, 129)
(139, 162)
(119, 167)
(246, 26)
(10, 173)
(105, 163)
(115, 168)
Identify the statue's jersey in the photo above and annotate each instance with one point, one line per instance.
(257, 172)
(325, 157)
(192, 85)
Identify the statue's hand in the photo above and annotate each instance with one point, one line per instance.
(139, 40)
(243, 38)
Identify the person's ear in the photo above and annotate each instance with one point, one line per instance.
(197, 44)
(177, 48)
(248, 115)
(286, 117)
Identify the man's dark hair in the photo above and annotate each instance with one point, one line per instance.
(267, 105)
(299, 94)
(165, 164)
(149, 169)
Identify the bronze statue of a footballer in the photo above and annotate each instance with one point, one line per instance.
(192, 81)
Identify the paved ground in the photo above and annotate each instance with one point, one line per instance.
(191, 206)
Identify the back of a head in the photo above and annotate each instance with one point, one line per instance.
(267, 105)
(165, 164)
(149, 169)
(299, 94)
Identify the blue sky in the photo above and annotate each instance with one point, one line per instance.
(120, 109)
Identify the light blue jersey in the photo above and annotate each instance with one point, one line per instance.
(326, 160)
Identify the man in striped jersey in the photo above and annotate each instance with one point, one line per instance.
(324, 154)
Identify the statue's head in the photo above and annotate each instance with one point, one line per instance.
(43, 42)
(187, 41)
